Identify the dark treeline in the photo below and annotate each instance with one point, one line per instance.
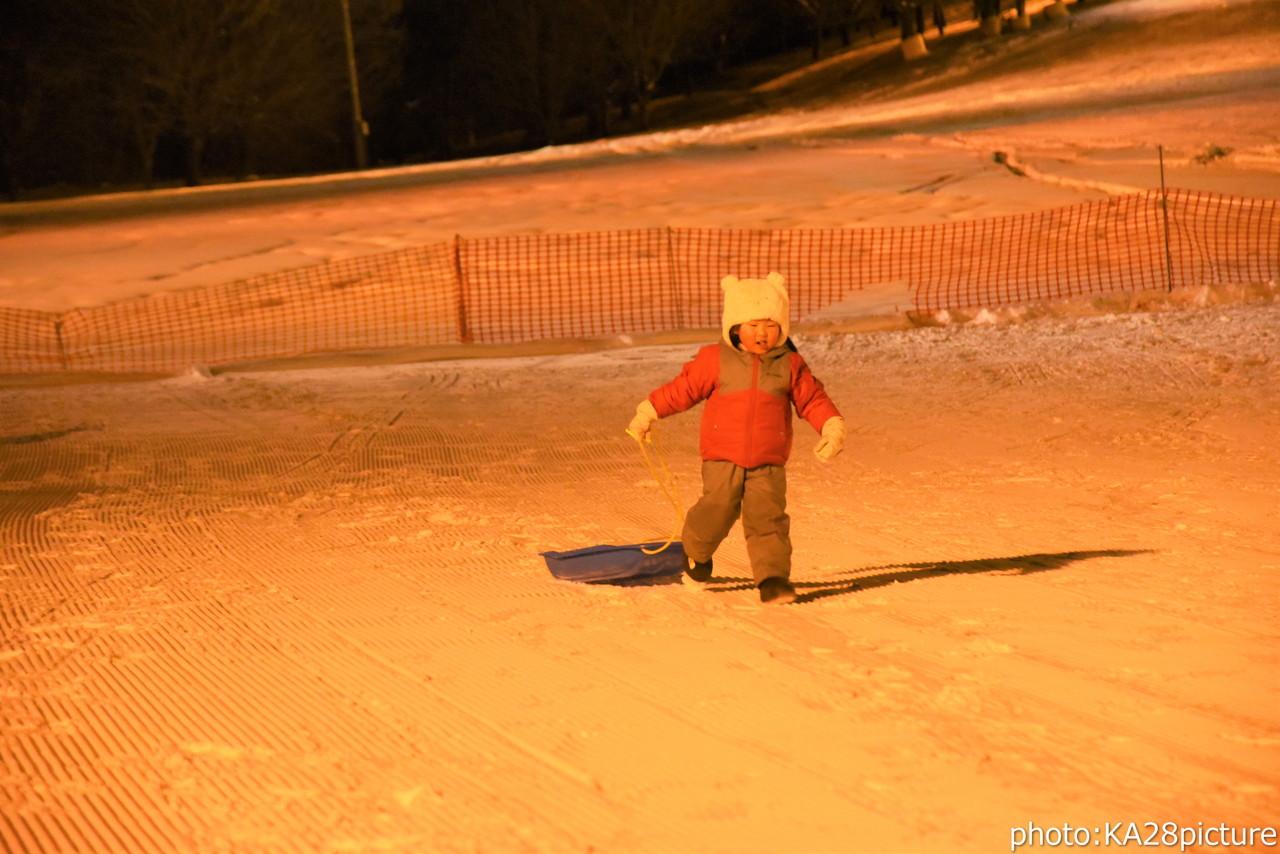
(113, 93)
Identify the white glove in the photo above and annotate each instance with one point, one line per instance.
(640, 425)
(832, 441)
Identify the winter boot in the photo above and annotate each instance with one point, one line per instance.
(699, 571)
(776, 590)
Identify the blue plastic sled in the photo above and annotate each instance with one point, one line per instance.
(615, 563)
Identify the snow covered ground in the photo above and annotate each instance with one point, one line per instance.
(304, 610)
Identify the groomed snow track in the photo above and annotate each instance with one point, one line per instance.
(304, 610)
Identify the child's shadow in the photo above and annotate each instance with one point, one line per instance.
(872, 577)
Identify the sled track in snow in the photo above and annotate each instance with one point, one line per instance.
(305, 611)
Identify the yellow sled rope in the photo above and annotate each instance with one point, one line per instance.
(666, 482)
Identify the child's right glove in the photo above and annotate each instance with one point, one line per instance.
(643, 421)
(832, 441)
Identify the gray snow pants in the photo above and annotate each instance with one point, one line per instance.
(759, 496)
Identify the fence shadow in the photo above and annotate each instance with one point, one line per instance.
(869, 578)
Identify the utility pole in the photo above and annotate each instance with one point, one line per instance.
(359, 127)
(1164, 212)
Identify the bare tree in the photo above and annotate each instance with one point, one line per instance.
(986, 9)
(235, 72)
(911, 17)
(177, 66)
(817, 11)
(833, 15)
(528, 60)
(645, 36)
(24, 83)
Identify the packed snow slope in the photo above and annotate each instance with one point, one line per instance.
(1079, 108)
(304, 610)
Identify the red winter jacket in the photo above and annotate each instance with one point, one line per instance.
(747, 419)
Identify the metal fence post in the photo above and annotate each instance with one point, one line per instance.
(464, 330)
(1164, 209)
(62, 347)
(671, 273)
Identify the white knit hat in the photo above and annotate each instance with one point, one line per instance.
(756, 299)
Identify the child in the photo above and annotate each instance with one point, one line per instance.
(750, 380)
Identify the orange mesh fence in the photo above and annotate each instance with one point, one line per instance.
(29, 341)
(1114, 244)
(822, 266)
(512, 289)
(1223, 240)
(527, 287)
(403, 298)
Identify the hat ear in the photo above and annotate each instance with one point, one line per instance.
(728, 282)
(776, 279)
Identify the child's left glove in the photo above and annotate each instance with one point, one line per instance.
(832, 441)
